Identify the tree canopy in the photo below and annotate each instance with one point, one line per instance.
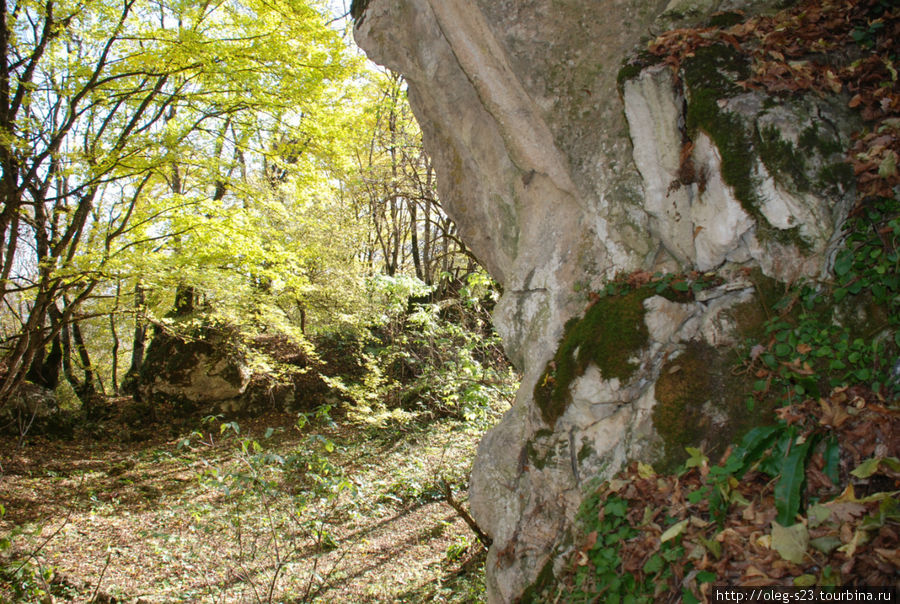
(163, 159)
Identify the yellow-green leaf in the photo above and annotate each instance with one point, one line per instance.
(790, 541)
(870, 466)
(805, 581)
(817, 514)
(674, 530)
(645, 470)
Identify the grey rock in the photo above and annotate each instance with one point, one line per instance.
(196, 372)
(558, 183)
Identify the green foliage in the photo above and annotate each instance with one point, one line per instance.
(171, 146)
(818, 337)
(867, 36)
(822, 337)
(830, 335)
(22, 576)
(438, 359)
(599, 576)
(298, 492)
(609, 335)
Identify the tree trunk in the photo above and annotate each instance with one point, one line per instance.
(131, 381)
(115, 345)
(87, 389)
(44, 371)
(184, 301)
(414, 241)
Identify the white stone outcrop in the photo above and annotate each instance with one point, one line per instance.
(558, 182)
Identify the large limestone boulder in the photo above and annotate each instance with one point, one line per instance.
(31, 404)
(563, 169)
(194, 372)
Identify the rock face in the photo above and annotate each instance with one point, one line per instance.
(32, 403)
(563, 170)
(194, 373)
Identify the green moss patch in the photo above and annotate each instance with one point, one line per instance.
(726, 19)
(704, 75)
(609, 335)
(710, 76)
(782, 159)
(702, 402)
(633, 66)
(684, 385)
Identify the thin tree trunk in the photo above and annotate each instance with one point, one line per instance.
(131, 381)
(115, 342)
(87, 390)
(414, 241)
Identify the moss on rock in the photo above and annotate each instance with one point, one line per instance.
(782, 159)
(633, 66)
(707, 77)
(609, 335)
(357, 8)
(702, 394)
(685, 385)
(710, 76)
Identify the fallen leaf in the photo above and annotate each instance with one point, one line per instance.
(790, 541)
(871, 466)
(826, 544)
(674, 530)
(805, 581)
(849, 494)
(645, 470)
(891, 555)
(845, 511)
(859, 538)
(833, 414)
(817, 514)
(590, 541)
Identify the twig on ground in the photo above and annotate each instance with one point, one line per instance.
(448, 495)
(109, 553)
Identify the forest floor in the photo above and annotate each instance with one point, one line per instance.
(259, 510)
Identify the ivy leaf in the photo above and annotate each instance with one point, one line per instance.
(653, 565)
(843, 264)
